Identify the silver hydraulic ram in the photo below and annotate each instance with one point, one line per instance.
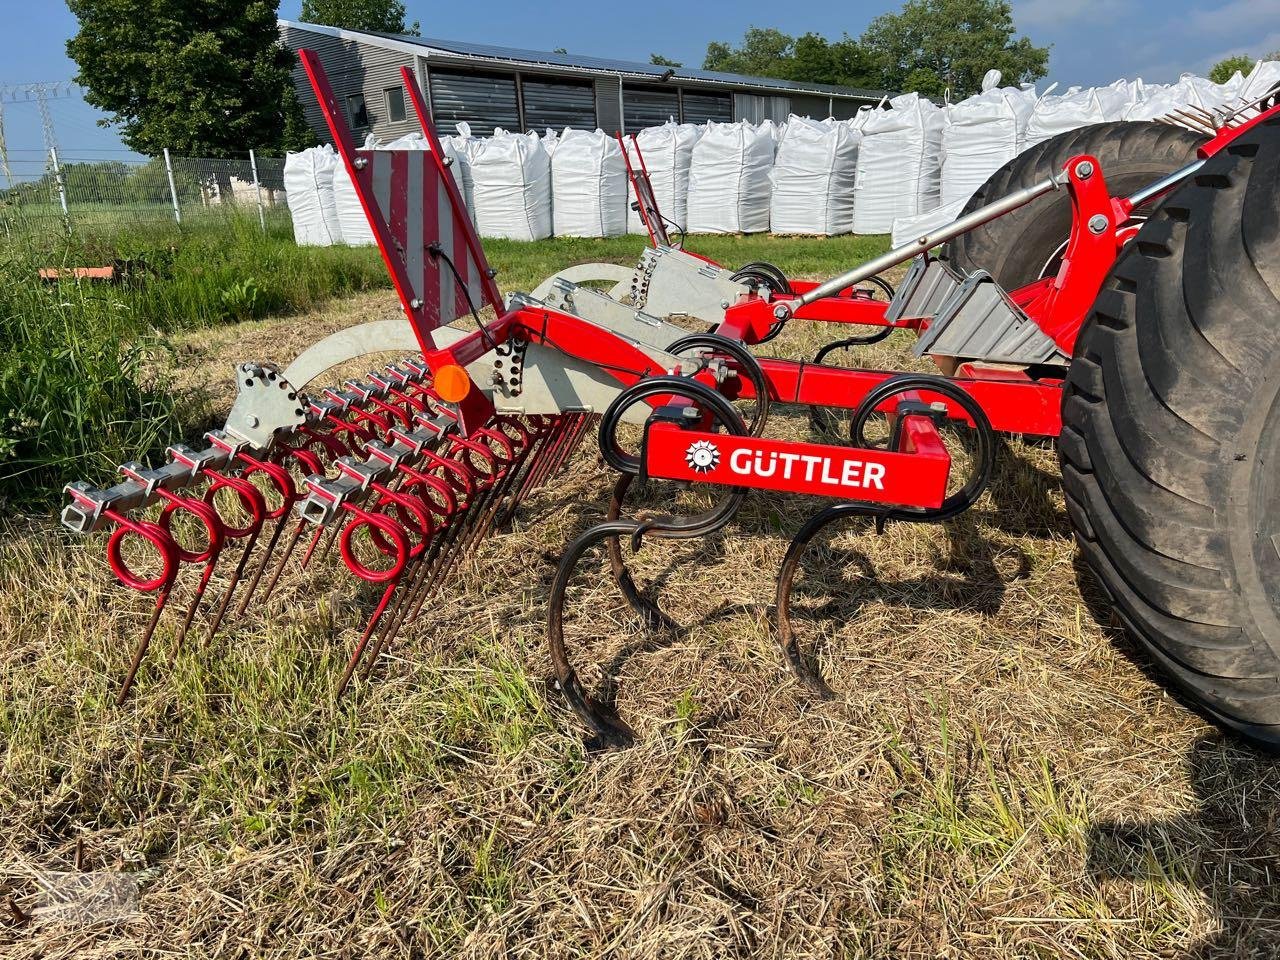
(977, 218)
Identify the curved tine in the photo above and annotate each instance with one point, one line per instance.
(609, 729)
(215, 535)
(809, 677)
(161, 584)
(255, 504)
(653, 616)
(281, 479)
(310, 464)
(395, 533)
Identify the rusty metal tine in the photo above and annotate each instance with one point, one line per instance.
(311, 547)
(409, 595)
(236, 575)
(141, 650)
(195, 602)
(328, 544)
(284, 559)
(262, 564)
(364, 637)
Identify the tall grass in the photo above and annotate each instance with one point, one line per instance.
(81, 387)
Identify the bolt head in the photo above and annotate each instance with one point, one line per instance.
(415, 303)
(359, 163)
(1084, 169)
(251, 420)
(1098, 223)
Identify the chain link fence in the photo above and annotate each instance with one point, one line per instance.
(79, 196)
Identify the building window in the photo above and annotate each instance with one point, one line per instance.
(394, 97)
(357, 112)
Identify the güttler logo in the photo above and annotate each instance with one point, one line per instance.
(702, 456)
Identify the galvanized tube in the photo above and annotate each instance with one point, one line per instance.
(1167, 183)
(901, 254)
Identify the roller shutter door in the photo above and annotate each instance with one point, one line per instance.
(484, 100)
(646, 107)
(701, 107)
(558, 104)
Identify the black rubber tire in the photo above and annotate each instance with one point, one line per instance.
(1171, 437)
(1015, 248)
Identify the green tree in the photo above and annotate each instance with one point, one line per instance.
(377, 16)
(1224, 70)
(203, 79)
(658, 60)
(935, 45)
(766, 52)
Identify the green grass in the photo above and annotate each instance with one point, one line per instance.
(82, 387)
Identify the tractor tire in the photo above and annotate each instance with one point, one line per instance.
(1020, 246)
(1171, 437)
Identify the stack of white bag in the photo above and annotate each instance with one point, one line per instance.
(463, 147)
(588, 185)
(899, 164)
(511, 183)
(1189, 91)
(982, 134)
(1078, 108)
(729, 179)
(813, 177)
(668, 153)
(308, 189)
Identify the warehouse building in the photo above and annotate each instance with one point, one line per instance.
(490, 87)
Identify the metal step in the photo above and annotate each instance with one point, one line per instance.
(978, 321)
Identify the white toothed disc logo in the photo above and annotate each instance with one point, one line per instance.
(702, 456)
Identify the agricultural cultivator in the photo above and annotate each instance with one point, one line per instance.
(409, 467)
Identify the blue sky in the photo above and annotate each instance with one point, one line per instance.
(1093, 41)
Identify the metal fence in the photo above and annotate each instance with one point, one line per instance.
(80, 196)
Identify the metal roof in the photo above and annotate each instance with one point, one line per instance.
(573, 61)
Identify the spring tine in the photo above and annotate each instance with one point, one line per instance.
(364, 637)
(236, 576)
(195, 602)
(311, 547)
(333, 538)
(284, 559)
(272, 541)
(141, 650)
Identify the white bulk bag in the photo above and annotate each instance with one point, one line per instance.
(1077, 108)
(668, 153)
(909, 229)
(981, 135)
(511, 180)
(308, 188)
(354, 225)
(463, 147)
(813, 178)
(729, 179)
(588, 185)
(899, 164)
(1262, 79)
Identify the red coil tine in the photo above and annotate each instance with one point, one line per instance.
(361, 416)
(255, 506)
(287, 490)
(214, 531)
(310, 464)
(391, 576)
(404, 419)
(161, 584)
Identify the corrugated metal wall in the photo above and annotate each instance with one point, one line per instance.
(484, 100)
(353, 68)
(531, 100)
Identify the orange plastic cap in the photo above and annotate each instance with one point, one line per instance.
(452, 383)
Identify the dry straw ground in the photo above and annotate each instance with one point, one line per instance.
(1000, 777)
